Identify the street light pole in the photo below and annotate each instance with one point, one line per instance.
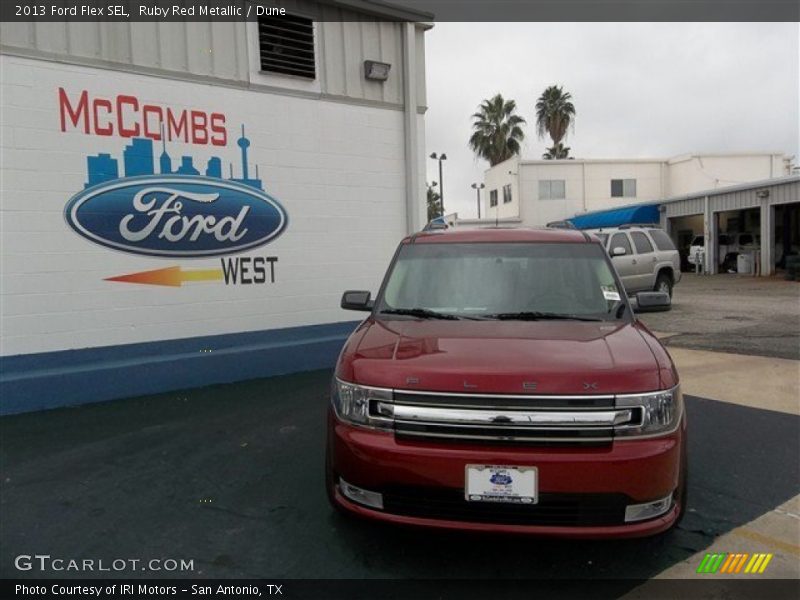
(478, 189)
(440, 158)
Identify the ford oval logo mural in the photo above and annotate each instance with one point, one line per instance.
(185, 216)
(177, 213)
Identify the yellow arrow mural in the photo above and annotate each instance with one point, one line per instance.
(170, 276)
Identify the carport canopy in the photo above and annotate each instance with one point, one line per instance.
(624, 215)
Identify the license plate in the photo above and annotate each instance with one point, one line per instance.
(486, 483)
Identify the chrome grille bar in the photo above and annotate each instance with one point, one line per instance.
(581, 419)
(497, 418)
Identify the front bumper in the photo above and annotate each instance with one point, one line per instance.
(581, 488)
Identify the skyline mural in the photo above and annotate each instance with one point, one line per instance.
(138, 159)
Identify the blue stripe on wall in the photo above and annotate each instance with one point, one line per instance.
(31, 382)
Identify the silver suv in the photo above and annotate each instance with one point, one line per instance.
(645, 257)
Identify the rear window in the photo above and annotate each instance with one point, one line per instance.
(745, 239)
(699, 241)
(661, 240)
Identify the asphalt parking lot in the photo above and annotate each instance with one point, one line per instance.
(232, 477)
(731, 313)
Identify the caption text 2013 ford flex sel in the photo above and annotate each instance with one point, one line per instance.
(502, 383)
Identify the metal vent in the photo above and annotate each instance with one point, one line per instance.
(287, 45)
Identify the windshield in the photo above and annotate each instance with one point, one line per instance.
(495, 280)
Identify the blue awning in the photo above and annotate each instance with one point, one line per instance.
(625, 215)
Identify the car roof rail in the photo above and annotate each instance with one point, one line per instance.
(565, 224)
(435, 226)
(631, 225)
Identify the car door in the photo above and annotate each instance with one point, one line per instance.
(625, 264)
(646, 261)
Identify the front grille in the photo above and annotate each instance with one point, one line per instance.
(505, 419)
(552, 509)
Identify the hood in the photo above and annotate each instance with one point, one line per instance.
(501, 357)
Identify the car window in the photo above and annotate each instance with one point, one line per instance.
(603, 237)
(661, 239)
(745, 239)
(724, 239)
(698, 241)
(643, 245)
(620, 240)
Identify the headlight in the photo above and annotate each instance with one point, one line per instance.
(357, 404)
(660, 412)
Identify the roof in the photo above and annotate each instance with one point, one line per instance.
(654, 159)
(380, 8)
(613, 217)
(496, 234)
(739, 187)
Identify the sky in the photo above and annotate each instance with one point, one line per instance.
(640, 90)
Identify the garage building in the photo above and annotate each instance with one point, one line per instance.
(183, 203)
(768, 209)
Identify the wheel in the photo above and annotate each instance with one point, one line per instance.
(663, 284)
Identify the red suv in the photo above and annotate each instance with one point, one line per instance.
(503, 383)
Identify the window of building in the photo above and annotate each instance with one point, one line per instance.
(493, 198)
(507, 193)
(552, 189)
(286, 45)
(643, 245)
(661, 239)
(623, 188)
(620, 240)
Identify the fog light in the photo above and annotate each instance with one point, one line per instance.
(356, 494)
(648, 510)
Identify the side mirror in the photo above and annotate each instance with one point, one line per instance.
(357, 300)
(651, 302)
(618, 251)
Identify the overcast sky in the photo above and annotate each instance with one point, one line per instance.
(639, 89)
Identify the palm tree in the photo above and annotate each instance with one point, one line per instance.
(498, 130)
(555, 113)
(558, 150)
(434, 204)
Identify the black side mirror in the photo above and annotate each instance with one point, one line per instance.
(651, 302)
(357, 300)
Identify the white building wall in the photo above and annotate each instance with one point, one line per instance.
(600, 174)
(502, 174)
(337, 168)
(588, 182)
(539, 212)
(689, 174)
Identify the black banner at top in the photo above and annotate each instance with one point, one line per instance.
(402, 10)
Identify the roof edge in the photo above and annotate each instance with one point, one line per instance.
(380, 8)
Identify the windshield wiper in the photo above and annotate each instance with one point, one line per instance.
(422, 313)
(540, 316)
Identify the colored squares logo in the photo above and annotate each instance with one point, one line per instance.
(734, 563)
